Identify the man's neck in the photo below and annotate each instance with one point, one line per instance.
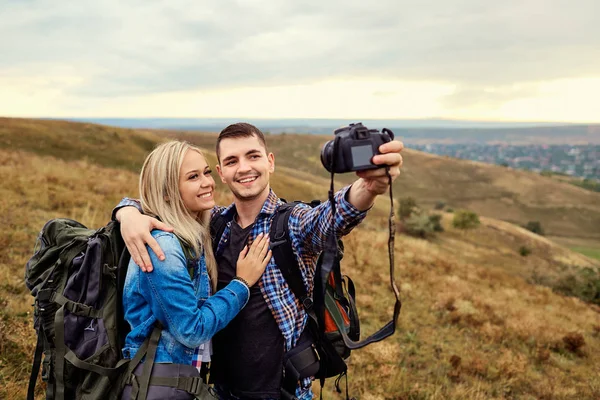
(247, 210)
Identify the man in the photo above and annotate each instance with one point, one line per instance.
(248, 353)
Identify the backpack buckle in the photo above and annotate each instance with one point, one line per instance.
(316, 351)
(46, 365)
(308, 303)
(82, 310)
(194, 385)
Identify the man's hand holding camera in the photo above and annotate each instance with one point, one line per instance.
(374, 182)
(373, 155)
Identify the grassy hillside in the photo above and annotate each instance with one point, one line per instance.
(479, 320)
(471, 326)
(102, 145)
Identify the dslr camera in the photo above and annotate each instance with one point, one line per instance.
(353, 148)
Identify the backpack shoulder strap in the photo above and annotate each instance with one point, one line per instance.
(217, 227)
(189, 255)
(281, 246)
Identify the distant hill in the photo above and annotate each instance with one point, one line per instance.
(103, 145)
(314, 125)
(418, 131)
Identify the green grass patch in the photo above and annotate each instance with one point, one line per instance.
(588, 251)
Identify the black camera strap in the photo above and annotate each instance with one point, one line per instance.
(330, 257)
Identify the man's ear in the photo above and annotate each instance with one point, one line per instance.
(220, 173)
(271, 158)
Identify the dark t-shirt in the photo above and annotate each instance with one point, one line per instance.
(248, 352)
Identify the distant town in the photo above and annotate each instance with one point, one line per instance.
(574, 160)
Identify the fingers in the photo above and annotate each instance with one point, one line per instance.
(267, 259)
(258, 251)
(139, 252)
(264, 249)
(243, 253)
(150, 241)
(130, 243)
(156, 224)
(379, 173)
(395, 146)
(264, 246)
(135, 254)
(391, 159)
(258, 245)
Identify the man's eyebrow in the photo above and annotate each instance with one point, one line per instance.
(229, 158)
(253, 151)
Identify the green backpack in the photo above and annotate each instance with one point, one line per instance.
(77, 276)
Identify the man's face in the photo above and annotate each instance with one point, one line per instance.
(245, 167)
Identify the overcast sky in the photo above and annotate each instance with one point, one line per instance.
(465, 59)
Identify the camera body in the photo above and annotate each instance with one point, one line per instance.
(353, 148)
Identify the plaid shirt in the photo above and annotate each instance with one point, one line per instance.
(309, 228)
(308, 232)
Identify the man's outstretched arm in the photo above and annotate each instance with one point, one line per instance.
(310, 227)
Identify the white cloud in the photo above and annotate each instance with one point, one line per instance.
(79, 55)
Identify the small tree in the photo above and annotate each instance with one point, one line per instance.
(436, 222)
(465, 219)
(418, 225)
(407, 207)
(524, 251)
(439, 205)
(422, 225)
(535, 227)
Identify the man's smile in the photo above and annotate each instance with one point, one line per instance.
(247, 180)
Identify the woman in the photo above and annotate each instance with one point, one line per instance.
(176, 186)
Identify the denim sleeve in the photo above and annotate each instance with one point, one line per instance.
(126, 202)
(169, 291)
(309, 227)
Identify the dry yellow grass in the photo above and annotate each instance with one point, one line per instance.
(472, 326)
(509, 335)
(103, 145)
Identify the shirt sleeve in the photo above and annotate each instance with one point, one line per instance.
(309, 227)
(169, 291)
(126, 202)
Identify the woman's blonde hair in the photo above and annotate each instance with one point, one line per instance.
(160, 197)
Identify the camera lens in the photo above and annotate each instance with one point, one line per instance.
(326, 154)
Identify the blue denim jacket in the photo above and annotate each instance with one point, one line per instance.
(180, 302)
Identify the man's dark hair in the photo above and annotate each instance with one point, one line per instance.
(240, 130)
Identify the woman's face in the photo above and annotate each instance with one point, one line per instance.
(196, 185)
